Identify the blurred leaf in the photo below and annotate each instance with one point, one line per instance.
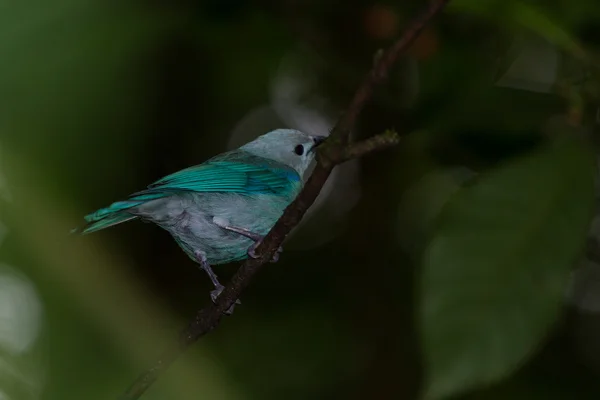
(526, 15)
(494, 274)
(72, 78)
(422, 203)
(536, 20)
(583, 290)
(21, 366)
(535, 67)
(4, 192)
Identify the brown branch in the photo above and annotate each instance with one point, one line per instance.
(379, 73)
(334, 151)
(373, 144)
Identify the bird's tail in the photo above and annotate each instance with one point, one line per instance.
(114, 214)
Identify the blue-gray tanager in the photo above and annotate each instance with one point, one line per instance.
(220, 210)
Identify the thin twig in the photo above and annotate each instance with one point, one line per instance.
(334, 151)
(375, 143)
(381, 69)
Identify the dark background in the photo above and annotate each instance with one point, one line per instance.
(100, 98)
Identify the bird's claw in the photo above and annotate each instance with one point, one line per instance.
(252, 252)
(215, 293)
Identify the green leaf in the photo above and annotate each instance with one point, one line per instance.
(535, 68)
(422, 203)
(523, 14)
(495, 272)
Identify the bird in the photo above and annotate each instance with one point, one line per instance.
(219, 211)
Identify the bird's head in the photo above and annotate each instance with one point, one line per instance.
(287, 146)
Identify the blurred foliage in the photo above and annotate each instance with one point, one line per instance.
(419, 271)
(489, 259)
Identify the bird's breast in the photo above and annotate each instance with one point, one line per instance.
(190, 218)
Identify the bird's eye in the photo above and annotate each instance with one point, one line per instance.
(299, 149)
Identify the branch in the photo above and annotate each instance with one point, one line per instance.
(341, 132)
(334, 151)
(382, 141)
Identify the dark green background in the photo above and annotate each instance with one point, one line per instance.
(100, 98)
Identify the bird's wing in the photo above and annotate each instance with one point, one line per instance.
(232, 172)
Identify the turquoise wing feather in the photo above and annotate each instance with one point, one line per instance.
(232, 172)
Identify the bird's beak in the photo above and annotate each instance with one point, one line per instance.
(317, 140)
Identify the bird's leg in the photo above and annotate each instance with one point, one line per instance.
(250, 235)
(201, 257)
(244, 232)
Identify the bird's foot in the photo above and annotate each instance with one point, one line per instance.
(252, 251)
(215, 293)
(201, 257)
